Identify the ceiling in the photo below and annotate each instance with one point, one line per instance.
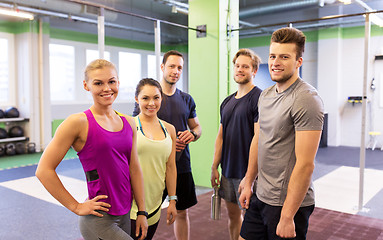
(254, 15)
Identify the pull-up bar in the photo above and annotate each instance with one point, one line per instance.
(308, 20)
(157, 29)
(133, 14)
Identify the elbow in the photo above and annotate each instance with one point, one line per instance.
(38, 173)
(309, 168)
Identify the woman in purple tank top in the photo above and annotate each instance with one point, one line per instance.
(106, 144)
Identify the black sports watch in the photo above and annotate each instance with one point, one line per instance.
(194, 134)
(142, 213)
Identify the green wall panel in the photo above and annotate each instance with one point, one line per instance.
(209, 74)
(203, 84)
(22, 27)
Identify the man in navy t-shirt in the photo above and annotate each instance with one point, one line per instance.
(178, 108)
(239, 113)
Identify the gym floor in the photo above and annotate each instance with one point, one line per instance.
(29, 212)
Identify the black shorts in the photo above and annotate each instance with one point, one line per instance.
(185, 191)
(261, 220)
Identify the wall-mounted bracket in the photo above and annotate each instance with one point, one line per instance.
(201, 31)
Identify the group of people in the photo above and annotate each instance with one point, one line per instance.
(266, 145)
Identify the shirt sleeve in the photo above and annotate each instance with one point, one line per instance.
(192, 108)
(307, 111)
(136, 109)
(254, 104)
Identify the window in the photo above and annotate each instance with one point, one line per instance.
(7, 70)
(152, 67)
(4, 73)
(62, 72)
(93, 54)
(129, 74)
(68, 60)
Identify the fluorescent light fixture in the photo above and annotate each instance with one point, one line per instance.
(345, 1)
(16, 13)
(176, 9)
(373, 17)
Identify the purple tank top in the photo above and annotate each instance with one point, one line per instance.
(105, 158)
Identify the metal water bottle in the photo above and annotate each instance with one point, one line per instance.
(215, 204)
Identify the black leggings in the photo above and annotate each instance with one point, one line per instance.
(151, 230)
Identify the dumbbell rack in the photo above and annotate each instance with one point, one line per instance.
(13, 139)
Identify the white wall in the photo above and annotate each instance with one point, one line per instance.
(335, 67)
(346, 130)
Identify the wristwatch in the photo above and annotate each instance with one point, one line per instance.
(194, 134)
(142, 213)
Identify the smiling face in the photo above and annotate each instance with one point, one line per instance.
(283, 63)
(103, 84)
(149, 99)
(243, 70)
(172, 69)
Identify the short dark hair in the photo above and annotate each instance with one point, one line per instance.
(170, 53)
(290, 35)
(255, 60)
(147, 81)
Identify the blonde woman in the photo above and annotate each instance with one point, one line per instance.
(105, 142)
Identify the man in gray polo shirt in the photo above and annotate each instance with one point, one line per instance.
(289, 129)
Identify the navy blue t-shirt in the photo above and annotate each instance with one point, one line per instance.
(237, 118)
(176, 110)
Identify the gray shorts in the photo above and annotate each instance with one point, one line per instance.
(228, 190)
(106, 227)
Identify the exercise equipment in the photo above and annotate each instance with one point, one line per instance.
(16, 131)
(2, 150)
(10, 149)
(20, 148)
(3, 133)
(2, 114)
(31, 147)
(12, 112)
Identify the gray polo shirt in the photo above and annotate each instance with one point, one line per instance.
(298, 108)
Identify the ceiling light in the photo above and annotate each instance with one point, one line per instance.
(16, 13)
(345, 1)
(373, 17)
(176, 9)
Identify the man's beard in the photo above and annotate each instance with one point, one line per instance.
(169, 82)
(244, 81)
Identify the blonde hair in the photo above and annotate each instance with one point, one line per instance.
(255, 60)
(97, 64)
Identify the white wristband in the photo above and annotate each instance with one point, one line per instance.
(173, 198)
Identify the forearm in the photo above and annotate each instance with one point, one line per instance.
(198, 131)
(54, 186)
(194, 126)
(218, 148)
(217, 153)
(171, 179)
